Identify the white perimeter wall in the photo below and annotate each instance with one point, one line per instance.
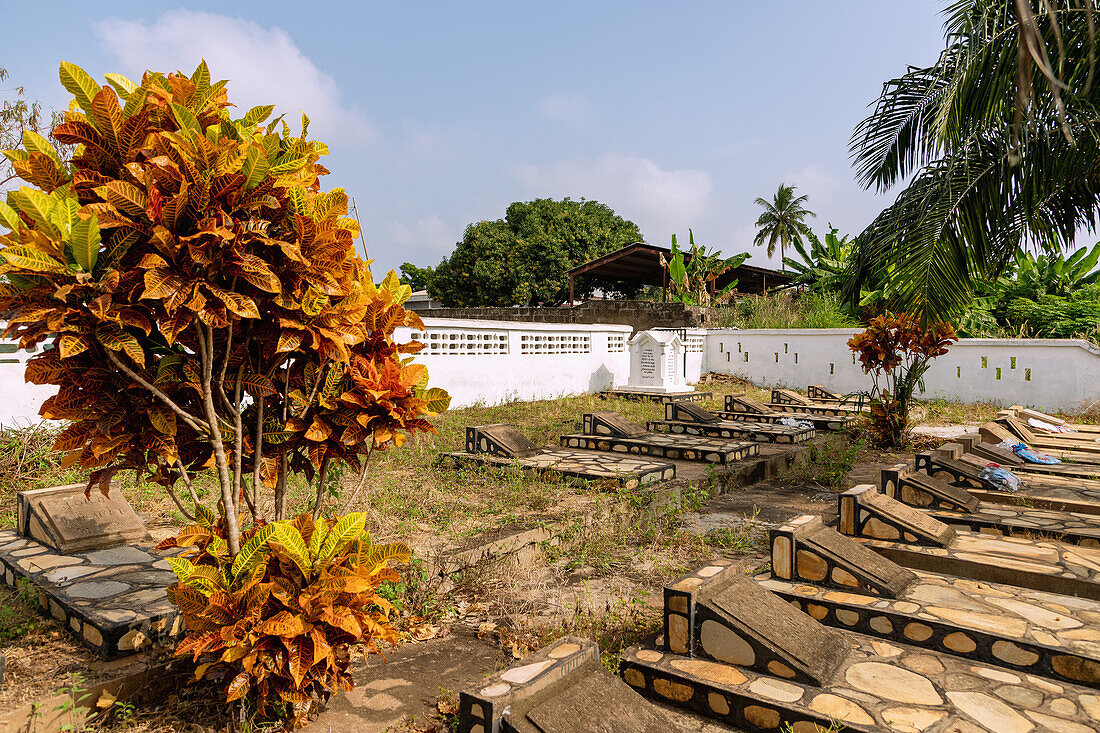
(19, 401)
(491, 362)
(1050, 374)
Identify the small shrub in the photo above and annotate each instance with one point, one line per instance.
(786, 310)
(897, 351)
(828, 462)
(277, 620)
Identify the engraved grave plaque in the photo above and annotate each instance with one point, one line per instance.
(62, 518)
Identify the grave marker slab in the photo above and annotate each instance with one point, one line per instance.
(62, 518)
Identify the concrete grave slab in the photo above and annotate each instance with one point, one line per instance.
(927, 493)
(662, 397)
(1041, 565)
(626, 472)
(61, 517)
(598, 435)
(1059, 493)
(113, 601)
(867, 513)
(976, 620)
(499, 440)
(804, 549)
(974, 444)
(744, 409)
(877, 685)
(687, 412)
(736, 430)
(787, 400)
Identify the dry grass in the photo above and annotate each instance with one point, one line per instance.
(602, 581)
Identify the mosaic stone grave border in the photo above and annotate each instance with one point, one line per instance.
(973, 443)
(730, 430)
(903, 484)
(664, 445)
(1045, 492)
(112, 600)
(879, 686)
(819, 393)
(627, 473)
(481, 710)
(661, 398)
(819, 422)
(1039, 633)
(786, 400)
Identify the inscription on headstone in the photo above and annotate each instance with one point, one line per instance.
(648, 363)
(64, 519)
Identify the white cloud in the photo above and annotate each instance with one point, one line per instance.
(657, 200)
(263, 66)
(426, 240)
(572, 109)
(821, 187)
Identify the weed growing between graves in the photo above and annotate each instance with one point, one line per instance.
(18, 611)
(827, 462)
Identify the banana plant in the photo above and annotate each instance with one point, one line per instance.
(692, 275)
(823, 265)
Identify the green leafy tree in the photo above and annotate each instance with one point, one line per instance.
(998, 141)
(783, 220)
(523, 258)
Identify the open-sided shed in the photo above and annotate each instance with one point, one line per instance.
(640, 263)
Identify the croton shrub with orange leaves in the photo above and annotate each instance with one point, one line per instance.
(277, 621)
(204, 300)
(897, 351)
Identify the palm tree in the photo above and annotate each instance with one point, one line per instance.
(999, 141)
(782, 222)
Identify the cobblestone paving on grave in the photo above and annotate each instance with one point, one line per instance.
(664, 445)
(1032, 486)
(819, 422)
(662, 397)
(1052, 566)
(1044, 634)
(1002, 519)
(732, 430)
(113, 600)
(877, 685)
(626, 472)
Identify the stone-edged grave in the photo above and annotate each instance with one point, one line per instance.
(1018, 628)
(952, 465)
(560, 688)
(67, 520)
(745, 409)
(787, 400)
(611, 432)
(958, 508)
(877, 685)
(993, 452)
(112, 600)
(503, 446)
(688, 419)
(1041, 565)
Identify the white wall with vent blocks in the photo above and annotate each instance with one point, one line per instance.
(19, 401)
(1051, 374)
(491, 362)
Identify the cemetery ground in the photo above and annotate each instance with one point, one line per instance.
(503, 563)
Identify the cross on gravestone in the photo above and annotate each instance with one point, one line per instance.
(62, 518)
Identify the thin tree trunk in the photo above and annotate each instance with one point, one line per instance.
(280, 489)
(229, 500)
(362, 481)
(257, 454)
(322, 476)
(187, 481)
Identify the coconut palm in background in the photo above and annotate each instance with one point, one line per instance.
(783, 220)
(999, 141)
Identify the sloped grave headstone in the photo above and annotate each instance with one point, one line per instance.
(63, 518)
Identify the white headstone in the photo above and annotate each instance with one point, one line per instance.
(657, 362)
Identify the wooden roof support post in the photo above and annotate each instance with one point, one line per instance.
(570, 290)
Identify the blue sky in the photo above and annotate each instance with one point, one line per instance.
(439, 114)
